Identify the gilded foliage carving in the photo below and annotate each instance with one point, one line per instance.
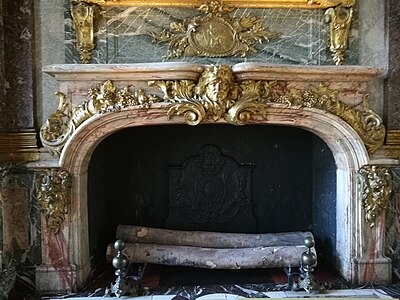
(214, 35)
(376, 188)
(53, 189)
(218, 95)
(106, 98)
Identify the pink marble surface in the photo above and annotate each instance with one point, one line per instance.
(360, 254)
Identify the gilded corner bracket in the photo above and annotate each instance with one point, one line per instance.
(83, 16)
(53, 189)
(375, 186)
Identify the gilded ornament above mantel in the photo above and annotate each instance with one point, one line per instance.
(215, 34)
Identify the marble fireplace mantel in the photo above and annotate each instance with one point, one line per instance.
(99, 100)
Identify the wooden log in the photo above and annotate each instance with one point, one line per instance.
(147, 235)
(212, 258)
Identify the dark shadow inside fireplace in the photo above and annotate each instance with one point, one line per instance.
(292, 184)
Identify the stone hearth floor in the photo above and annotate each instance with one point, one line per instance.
(177, 283)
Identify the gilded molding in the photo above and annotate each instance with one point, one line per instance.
(53, 189)
(214, 35)
(340, 19)
(83, 16)
(218, 95)
(59, 127)
(375, 184)
(300, 4)
(18, 146)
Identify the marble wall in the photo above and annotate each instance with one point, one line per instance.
(20, 230)
(49, 45)
(393, 225)
(393, 88)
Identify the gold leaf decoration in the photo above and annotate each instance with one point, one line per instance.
(376, 188)
(83, 14)
(332, 3)
(218, 95)
(53, 189)
(59, 127)
(340, 19)
(214, 35)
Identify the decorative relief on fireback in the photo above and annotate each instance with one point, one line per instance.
(214, 35)
(375, 184)
(53, 189)
(209, 188)
(59, 127)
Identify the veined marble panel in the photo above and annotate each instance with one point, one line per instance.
(121, 36)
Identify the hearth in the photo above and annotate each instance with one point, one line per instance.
(307, 145)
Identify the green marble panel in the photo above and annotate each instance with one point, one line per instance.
(122, 37)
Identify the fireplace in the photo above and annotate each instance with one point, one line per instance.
(307, 133)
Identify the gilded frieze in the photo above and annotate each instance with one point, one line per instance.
(375, 184)
(214, 35)
(53, 189)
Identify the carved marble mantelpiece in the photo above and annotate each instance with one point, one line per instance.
(331, 102)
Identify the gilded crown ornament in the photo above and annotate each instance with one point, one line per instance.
(214, 35)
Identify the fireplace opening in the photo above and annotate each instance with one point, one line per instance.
(292, 185)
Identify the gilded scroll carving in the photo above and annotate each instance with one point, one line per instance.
(61, 125)
(376, 188)
(214, 35)
(83, 16)
(53, 188)
(218, 95)
(340, 19)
